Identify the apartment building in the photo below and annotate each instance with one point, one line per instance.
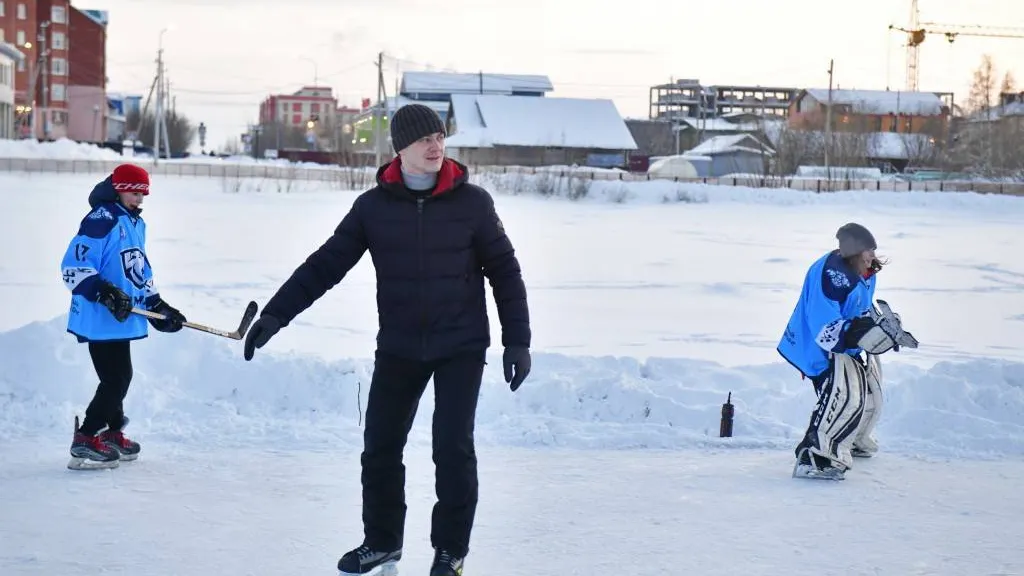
(10, 57)
(39, 30)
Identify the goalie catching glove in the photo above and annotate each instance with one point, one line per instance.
(878, 332)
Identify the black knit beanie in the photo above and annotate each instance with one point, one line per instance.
(854, 239)
(412, 122)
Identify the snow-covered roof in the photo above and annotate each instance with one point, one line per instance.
(997, 113)
(459, 83)
(898, 146)
(882, 101)
(729, 143)
(483, 121)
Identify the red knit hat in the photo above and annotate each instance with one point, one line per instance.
(129, 178)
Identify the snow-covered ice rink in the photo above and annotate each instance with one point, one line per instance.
(645, 314)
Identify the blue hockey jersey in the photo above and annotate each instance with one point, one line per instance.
(833, 294)
(110, 244)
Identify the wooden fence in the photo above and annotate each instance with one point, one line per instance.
(361, 178)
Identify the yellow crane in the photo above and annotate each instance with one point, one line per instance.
(916, 32)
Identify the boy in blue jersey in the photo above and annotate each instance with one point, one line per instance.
(106, 269)
(824, 334)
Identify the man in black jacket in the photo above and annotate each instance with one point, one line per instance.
(433, 238)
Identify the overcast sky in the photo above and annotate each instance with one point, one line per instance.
(224, 56)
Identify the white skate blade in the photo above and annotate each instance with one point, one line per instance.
(385, 569)
(811, 473)
(77, 463)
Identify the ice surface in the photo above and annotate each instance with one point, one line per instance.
(650, 302)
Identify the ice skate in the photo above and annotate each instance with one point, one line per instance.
(858, 452)
(91, 453)
(446, 564)
(128, 448)
(816, 467)
(365, 560)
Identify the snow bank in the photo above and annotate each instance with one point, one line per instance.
(62, 149)
(190, 386)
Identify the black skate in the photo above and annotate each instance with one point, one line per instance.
(446, 564)
(90, 453)
(129, 449)
(365, 560)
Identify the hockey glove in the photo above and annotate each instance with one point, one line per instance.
(516, 361)
(880, 331)
(174, 318)
(115, 300)
(260, 333)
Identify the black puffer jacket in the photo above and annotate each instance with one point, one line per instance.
(431, 253)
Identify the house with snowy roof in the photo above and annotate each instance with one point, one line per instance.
(512, 130)
(435, 90)
(872, 111)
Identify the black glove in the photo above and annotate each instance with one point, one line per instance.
(119, 303)
(260, 333)
(174, 318)
(517, 358)
(858, 327)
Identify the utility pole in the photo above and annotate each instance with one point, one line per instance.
(481, 81)
(380, 110)
(160, 135)
(44, 62)
(828, 123)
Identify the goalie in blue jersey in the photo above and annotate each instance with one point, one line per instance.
(108, 273)
(835, 337)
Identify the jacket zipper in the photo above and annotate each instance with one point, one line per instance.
(419, 279)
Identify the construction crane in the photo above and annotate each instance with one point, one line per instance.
(916, 32)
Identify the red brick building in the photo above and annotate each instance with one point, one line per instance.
(30, 25)
(310, 103)
(87, 76)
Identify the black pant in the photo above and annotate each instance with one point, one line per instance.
(395, 391)
(113, 364)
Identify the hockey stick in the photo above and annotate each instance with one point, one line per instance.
(247, 317)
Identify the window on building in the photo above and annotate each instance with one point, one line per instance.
(58, 41)
(296, 118)
(2, 12)
(2, 33)
(59, 15)
(20, 38)
(59, 67)
(297, 107)
(57, 93)
(22, 13)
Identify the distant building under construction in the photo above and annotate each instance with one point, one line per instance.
(689, 99)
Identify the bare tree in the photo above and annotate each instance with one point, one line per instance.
(983, 86)
(1009, 85)
(180, 131)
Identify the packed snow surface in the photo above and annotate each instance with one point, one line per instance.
(650, 302)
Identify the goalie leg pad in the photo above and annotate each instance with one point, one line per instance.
(839, 412)
(865, 444)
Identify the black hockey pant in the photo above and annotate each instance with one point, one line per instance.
(113, 364)
(395, 391)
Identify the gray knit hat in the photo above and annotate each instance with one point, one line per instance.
(854, 239)
(412, 122)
